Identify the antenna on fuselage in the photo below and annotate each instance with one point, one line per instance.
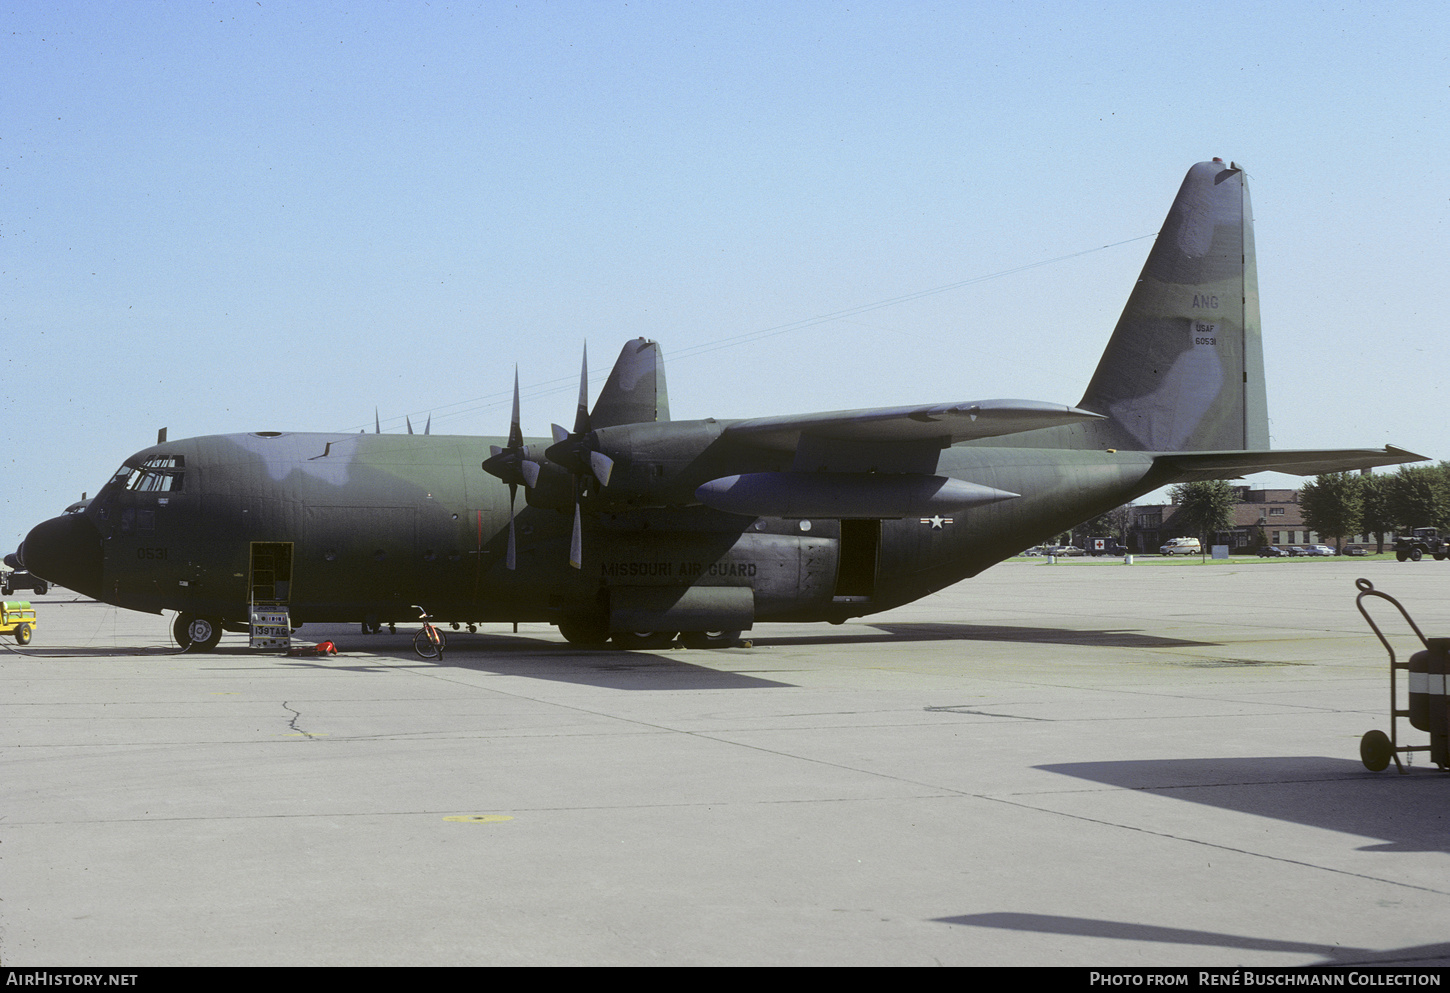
(161, 437)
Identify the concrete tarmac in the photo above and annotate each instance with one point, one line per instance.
(1082, 764)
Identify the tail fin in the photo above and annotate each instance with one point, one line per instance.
(1184, 370)
(635, 391)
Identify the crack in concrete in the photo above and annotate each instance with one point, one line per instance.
(297, 716)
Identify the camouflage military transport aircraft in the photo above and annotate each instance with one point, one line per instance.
(635, 528)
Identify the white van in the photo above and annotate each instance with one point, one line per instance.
(1182, 546)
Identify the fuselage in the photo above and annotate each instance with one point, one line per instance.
(361, 527)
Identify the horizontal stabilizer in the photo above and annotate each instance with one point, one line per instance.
(946, 423)
(1192, 466)
(844, 494)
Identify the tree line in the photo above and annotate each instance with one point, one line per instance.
(1337, 505)
(1334, 505)
(1341, 504)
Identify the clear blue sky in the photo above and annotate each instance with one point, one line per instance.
(240, 216)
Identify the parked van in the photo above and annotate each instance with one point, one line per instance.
(1182, 546)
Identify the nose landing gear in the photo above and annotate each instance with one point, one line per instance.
(196, 634)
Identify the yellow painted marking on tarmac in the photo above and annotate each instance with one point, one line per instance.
(479, 818)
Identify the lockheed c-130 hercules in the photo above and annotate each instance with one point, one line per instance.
(637, 529)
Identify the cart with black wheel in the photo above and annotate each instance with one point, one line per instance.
(17, 617)
(1428, 706)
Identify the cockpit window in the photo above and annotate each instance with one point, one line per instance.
(158, 474)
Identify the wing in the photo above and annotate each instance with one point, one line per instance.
(895, 439)
(947, 422)
(873, 463)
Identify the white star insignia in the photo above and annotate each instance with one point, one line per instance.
(937, 521)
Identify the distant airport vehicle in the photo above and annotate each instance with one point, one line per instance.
(1181, 546)
(1104, 546)
(1419, 543)
(636, 528)
(12, 579)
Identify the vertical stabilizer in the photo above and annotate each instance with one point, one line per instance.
(1184, 370)
(635, 391)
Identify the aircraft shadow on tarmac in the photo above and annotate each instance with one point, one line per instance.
(1334, 794)
(541, 659)
(1088, 927)
(537, 659)
(933, 631)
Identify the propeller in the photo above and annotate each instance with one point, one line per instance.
(512, 464)
(578, 452)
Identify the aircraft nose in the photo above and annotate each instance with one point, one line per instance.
(65, 551)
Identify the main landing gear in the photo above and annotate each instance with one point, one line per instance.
(585, 634)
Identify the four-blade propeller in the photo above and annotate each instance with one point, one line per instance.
(577, 452)
(512, 464)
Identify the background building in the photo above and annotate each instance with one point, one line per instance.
(1261, 517)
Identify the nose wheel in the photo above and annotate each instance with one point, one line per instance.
(196, 634)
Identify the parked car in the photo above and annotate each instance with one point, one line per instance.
(1318, 550)
(1271, 552)
(1181, 546)
(1354, 550)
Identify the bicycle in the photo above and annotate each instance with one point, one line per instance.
(429, 642)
